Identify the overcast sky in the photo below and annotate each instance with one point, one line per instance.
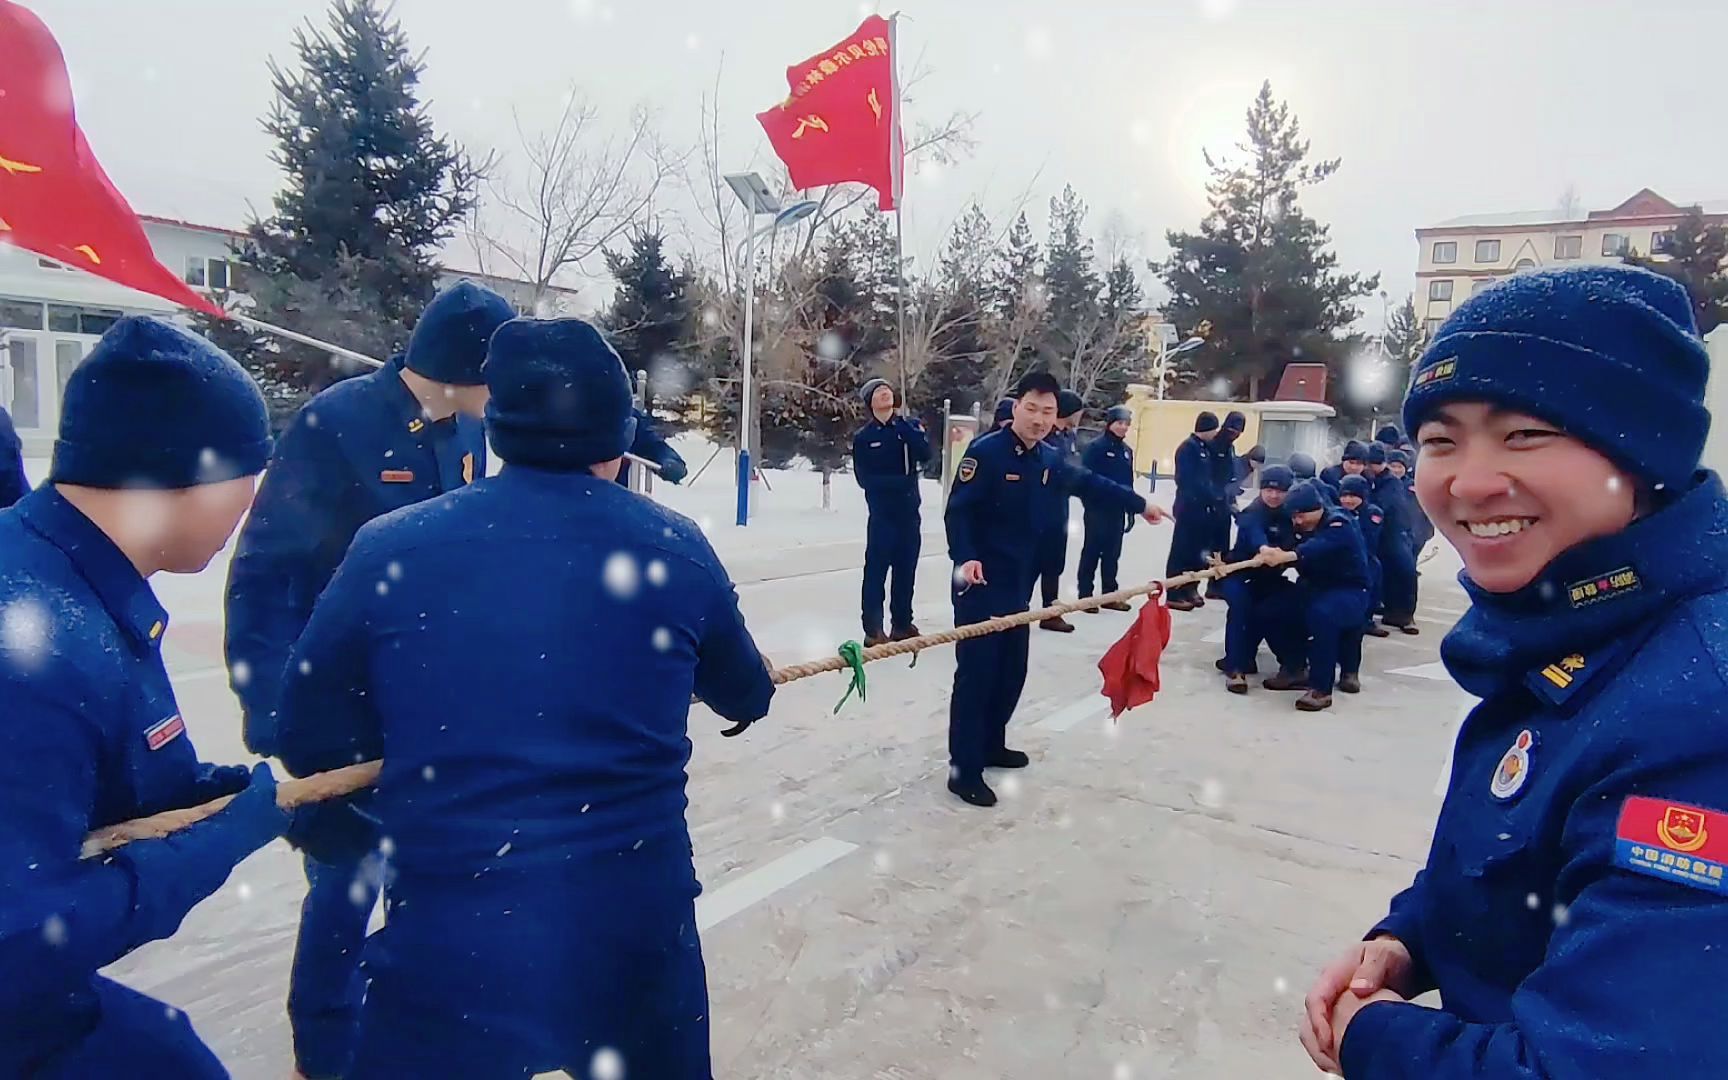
(1437, 109)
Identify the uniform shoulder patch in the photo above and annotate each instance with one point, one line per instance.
(1337, 525)
(1676, 841)
(968, 469)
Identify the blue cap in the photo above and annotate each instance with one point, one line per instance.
(1305, 497)
(1277, 477)
(560, 395)
(1119, 412)
(1377, 453)
(1354, 451)
(1068, 403)
(449, 342)
(1302, 465)
(1609, 354)
(1355, 485)
(1206, 421)
(1389, 435)
(1005, 410)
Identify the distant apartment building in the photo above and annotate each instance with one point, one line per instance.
(1465, 255)
(50, 315)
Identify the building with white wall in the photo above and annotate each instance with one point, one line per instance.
(50, 316)
(1464, 255)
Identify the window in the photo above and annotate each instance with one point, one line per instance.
(1430, 327)
(1615, 243)
(20, 315)
(69, 319)
(1661, 243)
(26, 401)
(1487, 251)
(62, 319)
(1446, 253)
(67, 356)
(1524, 264)
(1439, 290)
(97, 322)
(1568, 247)
(1479, 284)
(50, 264)
(207, 273)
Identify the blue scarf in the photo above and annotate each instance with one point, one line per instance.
(1601, 590)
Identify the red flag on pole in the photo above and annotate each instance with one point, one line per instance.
(840, 123)
(1130, 668)
(55, 199)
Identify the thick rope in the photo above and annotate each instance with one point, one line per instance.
(352, 778)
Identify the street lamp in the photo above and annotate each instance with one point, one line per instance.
(758, 200)
(1170, 354)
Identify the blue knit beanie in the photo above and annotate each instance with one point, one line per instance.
(869, 389)
(1206, 421)
(1119, 412)
(1302, 465)
(449, 342)
(560, 395)
(1068, 403)
(1277, 477)
(1377, 453)
(1610, 354)
(1305, 497)
(1397, 457)
(1355, 485)
(1354, 451)
(154, 406)
(1389, 436)
(1005, 409)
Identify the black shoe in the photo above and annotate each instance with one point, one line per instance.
(1116, 605)
(972, 792)
(1350, 684)
(873, 638)
(1058, 624)
(1236, 684)
(1410, 629)
(904, 633)
(1220, 665)
(1313, 702)
(1008, 759)
(1182, 604)
(1287, 680)
(1378, 631)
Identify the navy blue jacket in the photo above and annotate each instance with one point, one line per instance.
(1110, 458)
(1257, 526)
(887, 460)
(358, 450)
(1370, 520)
(1394, 499)
(13, 483)
(650, 445)
(1224, 471)
(1331, 556)
(90, 735)
(1006, 497)
(1197, 486)
(1065, 443)
(1570, 931)
(521, 653)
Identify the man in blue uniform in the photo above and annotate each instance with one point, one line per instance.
(360, 449)
(1352, 463)
(1397, 546)
(1198, 498)
(541, 915)
(1226, 467)
(1332, 572)
(1571, 910)
(1304, 468)
(1355, 496)
(13, 482)
(161, 436)
(1010, 490)
(1264, 604)
(650, 445)
(1053, 556)
(888, 456)
(1101, 548)
(1004, 413)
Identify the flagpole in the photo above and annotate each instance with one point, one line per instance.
(899, 164)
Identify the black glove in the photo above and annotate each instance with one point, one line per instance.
(674, 470)
(335, 832)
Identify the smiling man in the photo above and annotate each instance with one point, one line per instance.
(1572, 909)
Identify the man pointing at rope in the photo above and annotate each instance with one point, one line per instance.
(1010, 492)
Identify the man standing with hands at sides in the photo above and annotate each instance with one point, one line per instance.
(1053, 558)
(1101, 549)
(541, 916)
(1571, 911)
(1010, 491)
(376, 443)
(888, 456)
(161, 437)
(1198, 498)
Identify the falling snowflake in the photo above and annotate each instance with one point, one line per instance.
(608, 1064)
(54, 931)
(210, 465)
(383, 588)
(311, 419)
(777, 810)
(883, 862)
(1532, 901)
(1280, 985)
(662, 639)
(692, 42)
(394, 570)
(657, 572)
(244, 890)
(705, 523)
(621, 575)
(386, 846)
(1010, 786)
(428, 774)
(710, 317)
(24, 631)
(1614, 483)
(240, 674)
(831, 347)
(1562, 915)
(358, 895)
(171, 1013)
(505, 850)
(1074, 527)
(305, 667)
(1211, 794)
(1122, 1072)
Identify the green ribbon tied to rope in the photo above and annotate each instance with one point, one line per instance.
(853, 653)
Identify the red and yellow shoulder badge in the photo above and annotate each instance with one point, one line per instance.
(968, 469)
(1676, 841)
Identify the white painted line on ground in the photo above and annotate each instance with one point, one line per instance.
(716, 907)
(1456, 613)
(1435, 671)
(1078, 713)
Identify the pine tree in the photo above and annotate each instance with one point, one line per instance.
(1016, 304)
(1259, 269)
(1696, 254)
(371, 193)
(1405, 338)
(1071, 284)
(649, 322)
(951, 323)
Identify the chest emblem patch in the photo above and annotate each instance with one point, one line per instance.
(1514, 768)
(163, 732)
(1681, 843)
(396, 476)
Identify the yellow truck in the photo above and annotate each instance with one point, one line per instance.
(1282, 427)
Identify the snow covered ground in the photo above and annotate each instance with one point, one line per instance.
(1150, 900)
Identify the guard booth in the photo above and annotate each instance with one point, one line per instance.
(1281, 427)
(958, 431)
